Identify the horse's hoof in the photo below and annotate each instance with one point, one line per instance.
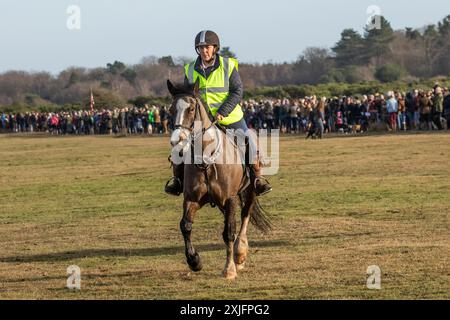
(195, 263)
(240, 258)
(240, 252)
(230, 272)
(229, 275)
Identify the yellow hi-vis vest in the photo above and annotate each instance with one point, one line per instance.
(215, 90)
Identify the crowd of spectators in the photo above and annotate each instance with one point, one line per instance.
(393, 111)
(147, 120)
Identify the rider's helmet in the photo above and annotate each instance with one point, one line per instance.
(207, 37)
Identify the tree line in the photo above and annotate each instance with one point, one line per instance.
(372, 58)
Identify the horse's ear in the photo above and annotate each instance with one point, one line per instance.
(196, 89)
(171, 88)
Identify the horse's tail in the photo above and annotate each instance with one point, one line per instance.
(259, 218)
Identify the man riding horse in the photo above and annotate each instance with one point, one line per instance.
(221, 89)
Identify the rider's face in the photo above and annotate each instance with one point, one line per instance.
(206, 52)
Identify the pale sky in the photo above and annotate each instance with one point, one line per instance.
(34, 34)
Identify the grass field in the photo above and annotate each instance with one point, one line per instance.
(339, 205)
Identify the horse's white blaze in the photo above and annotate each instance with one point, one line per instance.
(179, 134)
(181, 106)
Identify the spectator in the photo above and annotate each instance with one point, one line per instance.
(401, 116)
(438, 107)
(319, 117)
(447, 106)
(425, 111)
(392, 109)
(157, 120)
(164, 114)
(416, 98)
(293, 117)
(410, 106)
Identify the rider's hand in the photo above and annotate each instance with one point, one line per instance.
(219, 117)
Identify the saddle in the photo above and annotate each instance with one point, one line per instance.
(244, 153)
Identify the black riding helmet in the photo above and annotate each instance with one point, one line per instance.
(205, 38)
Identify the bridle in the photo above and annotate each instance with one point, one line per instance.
(193, 136)
(197, 106)
(206, 161)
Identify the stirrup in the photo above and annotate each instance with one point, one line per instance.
(175, 179)
(267, 183)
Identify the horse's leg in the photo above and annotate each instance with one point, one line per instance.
(241, 243)
(229, 236)
(192, 257)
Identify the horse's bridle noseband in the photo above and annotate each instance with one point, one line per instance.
(195, 135)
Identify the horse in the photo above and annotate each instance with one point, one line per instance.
(225, 185)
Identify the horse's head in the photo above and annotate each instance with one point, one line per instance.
(183, 109)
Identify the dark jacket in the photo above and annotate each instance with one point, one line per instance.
(236, 87)
(447, 105)
(425, 105)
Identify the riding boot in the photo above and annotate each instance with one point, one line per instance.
(260, 183)
(175, 185)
